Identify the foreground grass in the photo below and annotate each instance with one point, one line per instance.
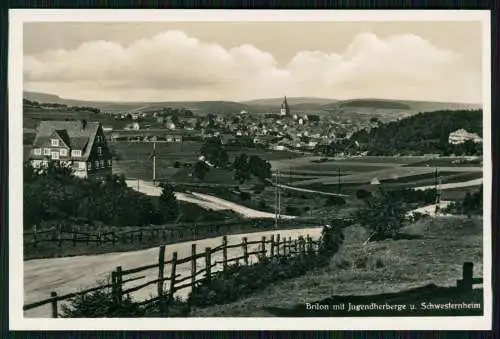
(434, 256)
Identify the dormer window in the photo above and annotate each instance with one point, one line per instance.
(54, 142)
(76, 153)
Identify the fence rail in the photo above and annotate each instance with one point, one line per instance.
(272, 248)
(60, 235)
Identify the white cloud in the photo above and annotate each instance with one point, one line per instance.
(173, 66)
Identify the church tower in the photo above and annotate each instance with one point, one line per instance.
(285, 109)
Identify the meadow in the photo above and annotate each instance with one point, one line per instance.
(434, 253)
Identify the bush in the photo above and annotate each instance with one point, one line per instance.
(245, 196)
(238, 281)
(262, 204)
(334, 201)
(292, 210)
(100, 304)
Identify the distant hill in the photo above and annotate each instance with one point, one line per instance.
(361, 110)
(356, 110)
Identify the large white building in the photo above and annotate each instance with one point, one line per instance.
(460, 136)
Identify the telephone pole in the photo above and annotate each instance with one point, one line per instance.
(154, 162)
(276, 200)
(339, 188)
(437, 182)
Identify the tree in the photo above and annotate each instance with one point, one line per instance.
(383, 215)
(259, 167)
(168, 204)
(241, 168)
(362, 194)
(214, 152)
(200, 170)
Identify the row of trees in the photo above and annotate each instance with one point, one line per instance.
(53, 193)
(420, 134)
(471, 204)
(244, 166)
(28, 104)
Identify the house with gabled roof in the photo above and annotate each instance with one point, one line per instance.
(80, 145)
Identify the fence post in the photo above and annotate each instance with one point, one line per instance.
(34, 235)
(467, 275)
(208, 263)
(140, 235)
(302, 245)
(290, 244)
(224, 253)
(114, 287)
(172, 275)
(245, 250)
(119, 283)
(113, 234)
(164, 234)
(309, 244)
(55, 312)
(161, 270)
(272, 246)
(278, 245)
(284, 246)
(264, 252)
(193, 265)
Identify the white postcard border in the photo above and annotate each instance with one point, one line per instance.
(15, 84)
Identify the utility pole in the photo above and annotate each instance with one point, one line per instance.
(276, 200)
(154, 162)
(279, 197)
(339, 188)
(437, 190)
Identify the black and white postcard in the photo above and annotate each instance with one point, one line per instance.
(249, 169)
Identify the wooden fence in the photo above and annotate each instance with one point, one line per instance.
(168, 233)
(272, 247)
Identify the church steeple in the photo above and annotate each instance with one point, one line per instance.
(285, 109)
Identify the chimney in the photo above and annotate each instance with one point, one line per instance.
(84, 124)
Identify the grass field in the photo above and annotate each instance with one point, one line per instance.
(434, 256)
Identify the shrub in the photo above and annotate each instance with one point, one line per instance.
(245, 196)
(292, 210)
(334, 201)
(262, 204)
(100, 304)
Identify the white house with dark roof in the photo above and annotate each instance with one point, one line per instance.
(79, 144)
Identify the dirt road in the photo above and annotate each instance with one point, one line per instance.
(72, 274)
(204, 200)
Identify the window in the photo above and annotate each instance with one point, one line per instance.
(76, 153)
(96, 164)
(82, 165)
(55, 155)
(46, 151)
(38, 151)
(89, 165)
(63, 152)
(99, 150)
(102, 163)
(54, 142)
(109, 163)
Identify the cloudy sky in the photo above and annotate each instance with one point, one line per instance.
(432, 61)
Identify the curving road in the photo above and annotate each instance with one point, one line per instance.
(73, 274)
(204, 200)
